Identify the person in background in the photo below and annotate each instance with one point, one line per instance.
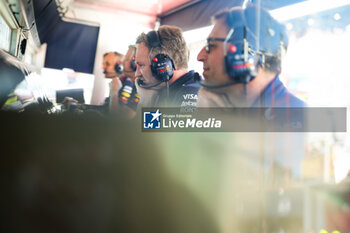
(123, 95)
(110, 60)
(112, 69)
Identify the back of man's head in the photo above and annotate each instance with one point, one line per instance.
(172, 43)
(129, 62)
(264, 34)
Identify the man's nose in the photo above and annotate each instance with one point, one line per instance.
(202, 55)
(138, 71)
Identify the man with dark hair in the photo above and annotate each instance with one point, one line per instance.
(240, 69)
(162, 77)
(241, 66)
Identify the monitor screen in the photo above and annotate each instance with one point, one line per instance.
(5, 35)
(77, 94)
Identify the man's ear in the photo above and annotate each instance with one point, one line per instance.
(172, 62)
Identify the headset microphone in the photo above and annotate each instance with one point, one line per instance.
(142, 85)
(197, 77)
(199, 80)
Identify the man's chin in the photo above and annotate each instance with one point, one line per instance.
(205, 75)
(213, 87)
(207, 82)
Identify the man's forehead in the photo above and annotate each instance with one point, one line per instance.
(109, 57)
(219, 30)
(142, 47)
(142, 52)
(129, 53)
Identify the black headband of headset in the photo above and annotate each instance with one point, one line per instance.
(153, 39)
(271, 32)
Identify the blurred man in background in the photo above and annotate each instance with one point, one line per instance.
(123, 94)
(113, 69)
(110, 67)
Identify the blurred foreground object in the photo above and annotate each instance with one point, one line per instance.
(64, 173)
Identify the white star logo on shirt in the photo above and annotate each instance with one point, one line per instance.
(156, 115)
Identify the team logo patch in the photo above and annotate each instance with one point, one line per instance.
(151, 120)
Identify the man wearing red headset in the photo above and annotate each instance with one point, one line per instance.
(123, 95)
(241, 66)
(110, 60)
(162, 76)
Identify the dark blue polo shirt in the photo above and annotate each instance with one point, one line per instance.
(182, 92)
(277, 95)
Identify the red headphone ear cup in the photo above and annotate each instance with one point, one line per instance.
(162, 67)
(118, 68)
(239, 69)
(232, 48)
(133, 64)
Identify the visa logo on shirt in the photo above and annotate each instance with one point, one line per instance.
(190, 96)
